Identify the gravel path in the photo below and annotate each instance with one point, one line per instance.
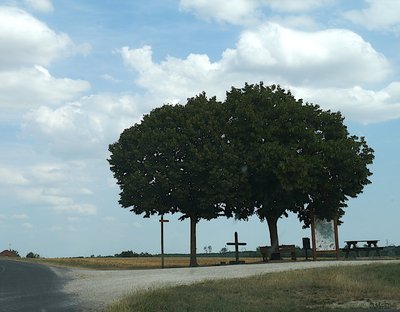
(95, 289)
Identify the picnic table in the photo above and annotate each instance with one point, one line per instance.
(369, 245)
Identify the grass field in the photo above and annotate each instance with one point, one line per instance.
(135, 263)
(359, 288)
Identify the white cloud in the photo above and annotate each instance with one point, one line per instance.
(330, 57)
(58, 203)
(295, 5)
(334, 59)
(175, 78)
(108, 77)
(83, 209)
(379, 15)
(85, 191)
(10, 176)
(236, 12)
(56, 228)
(299, 21)
(61, 187)
(137, 225)
(49, 174)
(73, 219)
(83, 128)
(25, 41)
(27, 48)
(22, 216)
(72, 229)
(356, 103)
(246, 11)
(27, 225)
(31, 87)
(40, 5)
(109, 219)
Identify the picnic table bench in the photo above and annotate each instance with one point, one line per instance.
(369, 245)
(266, 251)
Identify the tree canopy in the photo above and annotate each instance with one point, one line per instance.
(298, 157)
(261, 152)
(171, 162)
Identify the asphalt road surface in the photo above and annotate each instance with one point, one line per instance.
(34, 288)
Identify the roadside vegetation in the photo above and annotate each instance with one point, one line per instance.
(128, 260)
(136, 262)
(359, 288)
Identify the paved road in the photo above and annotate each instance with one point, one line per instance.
(32, 287)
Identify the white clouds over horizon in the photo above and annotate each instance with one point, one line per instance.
(48, 185)
(65, 94)
(237, 12)
(27, 48)
(26, 88)
(356, 103)
(379, 15)
(314, 61)
(44, 6)
(242, 12)
(96, 120)
(332, 67)
(25, 40)
(9, 176)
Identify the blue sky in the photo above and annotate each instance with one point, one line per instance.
(74, 74)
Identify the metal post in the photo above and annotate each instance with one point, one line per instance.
(162, 241)
(162, 220)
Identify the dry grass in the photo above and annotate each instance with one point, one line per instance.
(361, 288)
(136, 263)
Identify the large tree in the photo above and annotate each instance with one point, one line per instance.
(296, 157)
(171, 162)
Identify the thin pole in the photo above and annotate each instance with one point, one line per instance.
(162, 241)
(314, 246)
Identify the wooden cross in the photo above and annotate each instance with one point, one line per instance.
(237, 244)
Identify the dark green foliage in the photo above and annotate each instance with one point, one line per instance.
(131, 254)
(294, 156)
(172, 162)
(15, 252)
(261, 151)
(32, 255)
(391, 251)
(126, 254)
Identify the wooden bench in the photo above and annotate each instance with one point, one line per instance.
(369, 245)
(266, 251)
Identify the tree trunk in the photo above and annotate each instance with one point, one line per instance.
(273, 232)
(193, 258)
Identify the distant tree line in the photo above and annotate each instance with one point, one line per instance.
(130, 253)
(388, 251)
(32, 255)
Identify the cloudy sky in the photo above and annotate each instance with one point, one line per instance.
(75, 73)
